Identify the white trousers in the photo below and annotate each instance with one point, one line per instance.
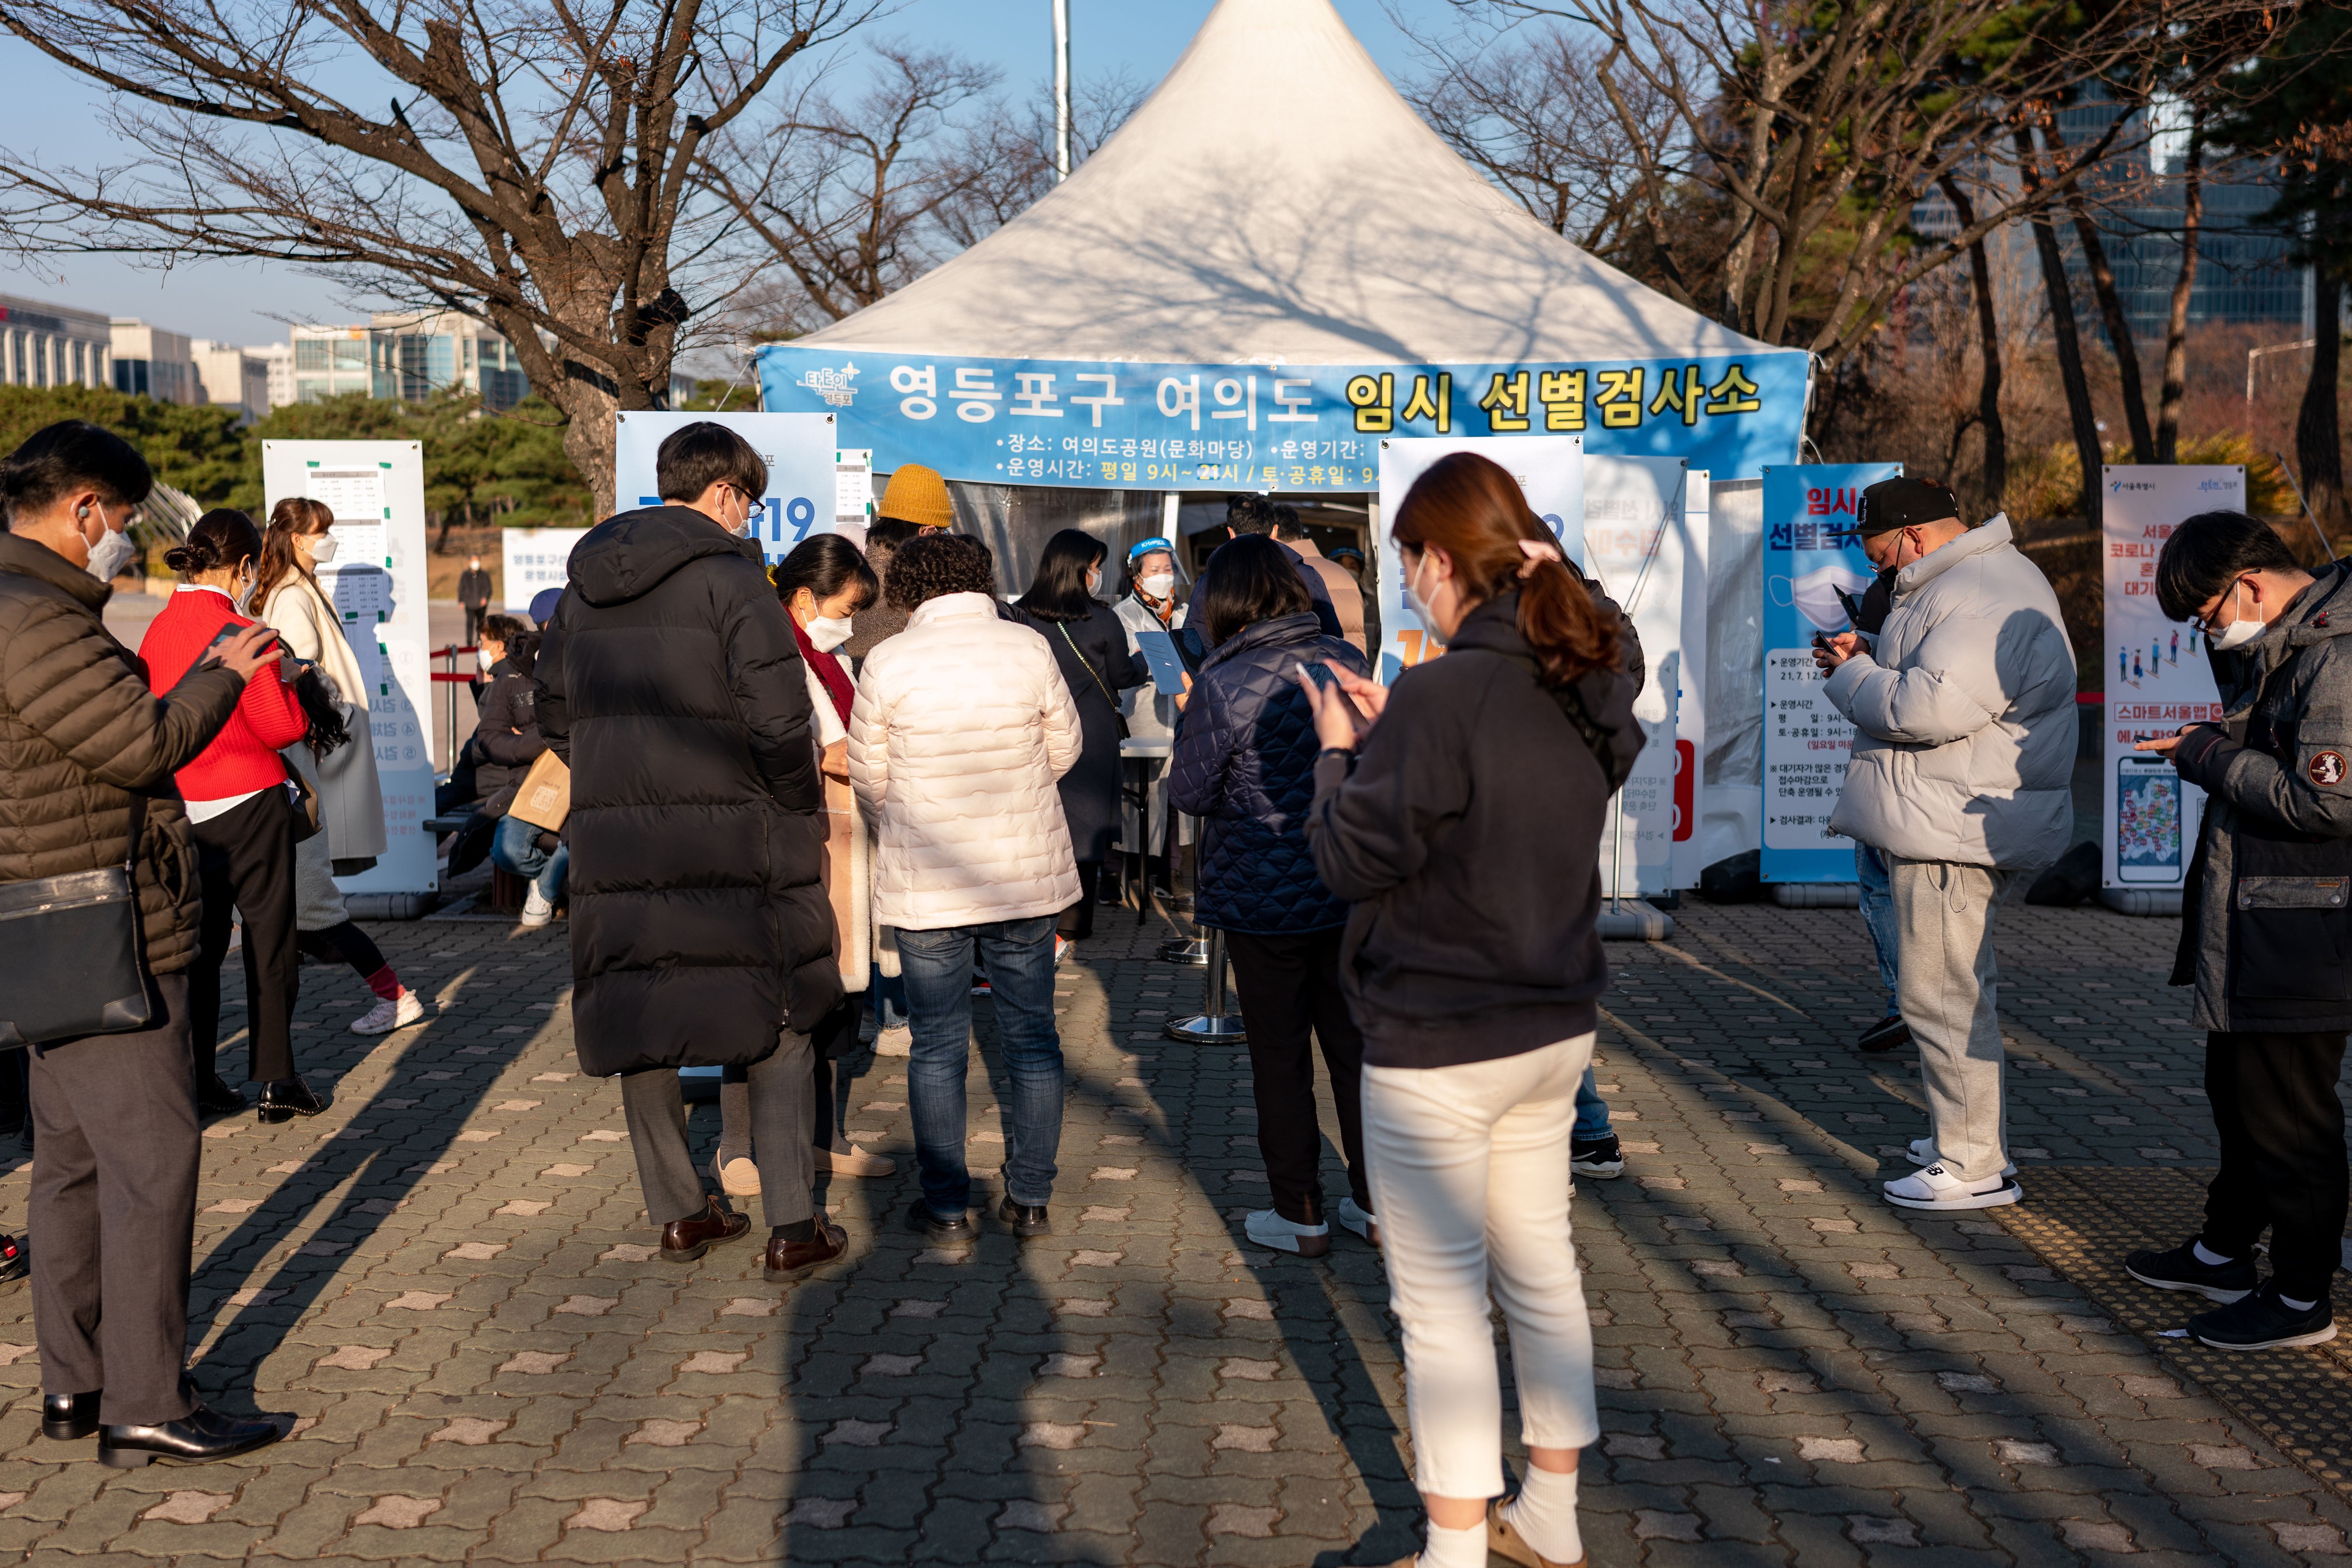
(1470, 1179)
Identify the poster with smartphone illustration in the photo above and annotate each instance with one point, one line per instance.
(1812, 557)
(2154, 670)
(803, 482)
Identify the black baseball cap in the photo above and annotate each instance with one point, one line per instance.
(1903, 503)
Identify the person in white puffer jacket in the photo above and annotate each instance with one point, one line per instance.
(1963, 751)
(960, 727)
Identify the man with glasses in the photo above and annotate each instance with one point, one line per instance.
(1964, 746)
(670, 682)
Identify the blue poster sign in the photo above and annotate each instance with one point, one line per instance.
(1304, 429)
(1812, 556)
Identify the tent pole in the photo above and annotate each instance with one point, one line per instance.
(1061, 89)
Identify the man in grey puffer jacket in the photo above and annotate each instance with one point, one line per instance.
(1965, 739)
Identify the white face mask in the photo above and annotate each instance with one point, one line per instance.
(1420, 607)
(1094, 581)
(322, 549)
(110, 555)
(828, 632)
(2239, 632)
(1158, 585)
(242, 598)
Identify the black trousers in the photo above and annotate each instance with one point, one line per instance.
(1077, 921)
(345, 944)
(113, 1211)
(1290, 1000)
(246, 859)
(475, 616)
(2281, 1128)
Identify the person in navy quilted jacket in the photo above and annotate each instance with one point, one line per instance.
(1244, 765)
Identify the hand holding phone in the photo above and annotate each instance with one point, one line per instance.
(244, 651)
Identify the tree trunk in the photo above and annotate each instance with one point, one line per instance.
(2318, 447)
(2084, 421)
(2119, 332)
(2176, 326)
(1996, 435)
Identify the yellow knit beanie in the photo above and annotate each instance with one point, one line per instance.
(917, 495)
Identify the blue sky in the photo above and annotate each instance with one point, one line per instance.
(49, 110)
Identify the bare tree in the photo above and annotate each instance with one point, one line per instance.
(530, 167)
(1007, 156)
(2184, 287)
(1816, 128)
(1989, 419)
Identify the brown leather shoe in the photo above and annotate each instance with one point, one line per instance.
(788, 1259)
(684, 1241)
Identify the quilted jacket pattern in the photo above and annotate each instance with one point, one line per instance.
(962, 725)
(81, 732)
(1245, 766)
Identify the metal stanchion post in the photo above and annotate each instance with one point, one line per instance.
(1192, 949)
(1213, 1025)
(449, 753)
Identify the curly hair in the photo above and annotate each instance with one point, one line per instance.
(935, 564)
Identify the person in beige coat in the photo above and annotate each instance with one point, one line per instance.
(350, 798)
(960, 727)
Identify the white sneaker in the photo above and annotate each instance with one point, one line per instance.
(1923, 1152)
(385, 1017)
(1359, 1220)
(737, 1178)
(897, 1042)
(1936, 1188)
(1268, 1228)
(536, 910)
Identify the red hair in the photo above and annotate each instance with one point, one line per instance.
(1474, 510)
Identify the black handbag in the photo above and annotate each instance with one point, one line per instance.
(73, 957)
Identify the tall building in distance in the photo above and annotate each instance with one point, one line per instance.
(53, 345)
(277, 368)
(150, 362)
(231, 376)
(415, 356)
(329, 362)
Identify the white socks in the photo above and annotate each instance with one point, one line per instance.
(2210, 1259)
(1454, 1548)
(2292, 1305)
(1544, 1513)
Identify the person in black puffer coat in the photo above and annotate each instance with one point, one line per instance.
(670, 683)
(1245, 764)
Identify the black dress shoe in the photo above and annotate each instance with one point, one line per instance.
(66, 1417)
(287, 1099)
(1025, 1220)
(15, 1260)
(199, 1437)
(218, 1097)
(924, 1221)
(1884, 1035)
(684, 1241)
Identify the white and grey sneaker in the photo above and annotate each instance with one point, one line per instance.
(1923, 1152)
(536, 910)
(385, 1017)
(1268, 1228)
(1937, 1188)
(1359, 1220)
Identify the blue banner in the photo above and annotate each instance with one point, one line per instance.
(1303, 429)
(1812, 555)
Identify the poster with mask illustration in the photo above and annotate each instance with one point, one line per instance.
(797, 447)
(1811, 557)
(376, 583)
(2155, 675)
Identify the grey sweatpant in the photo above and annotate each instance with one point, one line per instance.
(1951, 996)
(781, 1089)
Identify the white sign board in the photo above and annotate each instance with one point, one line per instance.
(802, 487)
(1645, 542)
(376, 584)
(2155, 671)
(536, 559)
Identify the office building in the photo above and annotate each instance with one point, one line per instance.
(277, 369)
(152, 362)
(415, 356)
(231, 375)
(53, 345)
(329, 362)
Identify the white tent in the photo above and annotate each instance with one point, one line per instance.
(1276, 201)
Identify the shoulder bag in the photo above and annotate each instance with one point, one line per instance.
(73, 957)
(1083, 664)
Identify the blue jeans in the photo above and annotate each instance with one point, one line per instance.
(937, 968)
(1591, 1112)
(1879, 915)
(516, 849)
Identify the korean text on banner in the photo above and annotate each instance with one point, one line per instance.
(2157, 676)
(536, 559)
(376, 583)
(1810, 555)
(1307, 428)
(797, 447)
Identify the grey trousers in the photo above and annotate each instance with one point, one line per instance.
(1951, 998)
(781, 1090)
(113, 1210)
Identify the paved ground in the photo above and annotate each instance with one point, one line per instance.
(446, 1281)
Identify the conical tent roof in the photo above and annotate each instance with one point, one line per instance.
(1276, 201)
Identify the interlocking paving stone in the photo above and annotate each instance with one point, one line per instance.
(487, 1366)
